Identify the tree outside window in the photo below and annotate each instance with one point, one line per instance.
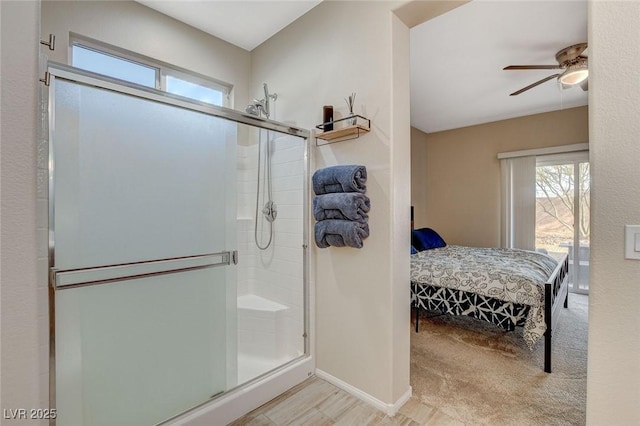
(556, 205)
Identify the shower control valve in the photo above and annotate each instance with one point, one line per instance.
(270, 211)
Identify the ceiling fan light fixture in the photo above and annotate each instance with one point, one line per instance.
(574, 74)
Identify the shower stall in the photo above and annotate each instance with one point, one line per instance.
(166, 302)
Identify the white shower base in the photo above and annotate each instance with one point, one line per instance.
(262, 334)
(250, 367)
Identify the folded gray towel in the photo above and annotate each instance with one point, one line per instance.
(341, 205)
(340, 233)
(349, 178)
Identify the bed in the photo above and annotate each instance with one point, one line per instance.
(507, 287)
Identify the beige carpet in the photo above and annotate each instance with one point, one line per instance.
(481, 375)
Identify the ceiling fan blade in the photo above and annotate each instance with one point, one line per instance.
(532, 67)
(531, 86)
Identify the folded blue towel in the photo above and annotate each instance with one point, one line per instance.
(340, 233)
(349, 178)
(341, 205)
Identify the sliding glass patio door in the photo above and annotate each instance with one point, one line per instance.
(562, 212)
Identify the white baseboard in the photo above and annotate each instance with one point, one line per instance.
(389, 409)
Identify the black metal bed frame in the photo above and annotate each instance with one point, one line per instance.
(556, 293)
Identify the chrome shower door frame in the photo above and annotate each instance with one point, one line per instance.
(67, 279)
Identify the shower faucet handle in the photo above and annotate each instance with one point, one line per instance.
(270, 211)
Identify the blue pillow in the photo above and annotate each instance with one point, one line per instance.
(426, 238)
(413, 250)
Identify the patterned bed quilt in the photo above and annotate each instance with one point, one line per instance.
(509, 275)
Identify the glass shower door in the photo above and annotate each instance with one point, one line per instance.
(142, 226)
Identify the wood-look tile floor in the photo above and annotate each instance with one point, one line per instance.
(317, 402)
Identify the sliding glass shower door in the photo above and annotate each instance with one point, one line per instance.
(142, 240)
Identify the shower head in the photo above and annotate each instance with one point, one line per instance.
(254, 109)
(251, 109)
(262, 106)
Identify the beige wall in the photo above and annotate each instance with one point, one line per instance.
(336, 49)
(456, 173)
(137, 28)
(613, 385)
(23, 297)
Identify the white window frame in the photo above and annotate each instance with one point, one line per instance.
(163, 69)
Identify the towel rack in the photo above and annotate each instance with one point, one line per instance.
(353, 127)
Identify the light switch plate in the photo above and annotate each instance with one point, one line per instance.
(632, 242)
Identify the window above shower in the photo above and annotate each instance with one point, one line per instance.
(128, 66)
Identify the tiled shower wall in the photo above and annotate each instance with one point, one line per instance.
(275, 273)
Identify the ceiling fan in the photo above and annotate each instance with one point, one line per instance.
(570, 59)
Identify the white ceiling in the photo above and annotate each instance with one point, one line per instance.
(243, 23)
(456, 59)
